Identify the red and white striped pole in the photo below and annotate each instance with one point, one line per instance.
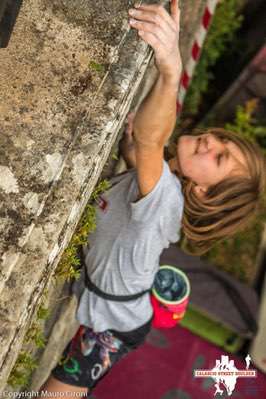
(195, 52)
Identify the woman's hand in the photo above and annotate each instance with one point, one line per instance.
(161, 31)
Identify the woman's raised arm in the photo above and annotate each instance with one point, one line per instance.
(156, 116)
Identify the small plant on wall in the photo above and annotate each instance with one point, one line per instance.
(68, 267)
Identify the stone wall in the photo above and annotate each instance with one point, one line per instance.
(67, 80)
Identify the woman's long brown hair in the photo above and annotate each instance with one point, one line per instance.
(228, 206)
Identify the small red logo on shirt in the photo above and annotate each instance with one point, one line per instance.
(102, 203)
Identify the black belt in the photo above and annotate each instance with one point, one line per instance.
(92, 287)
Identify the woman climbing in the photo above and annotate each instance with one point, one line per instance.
(210, 188)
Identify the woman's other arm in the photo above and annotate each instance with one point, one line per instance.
(127, 143)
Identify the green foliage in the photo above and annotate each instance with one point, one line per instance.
(20, 375)
(226, 22)
(102, 186)
(246, 124)
(114, 156)
(68, 267)
(43, 313)
(97, 67)
(25, 363)
(35, 334)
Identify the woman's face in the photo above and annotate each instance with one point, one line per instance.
(207, 159)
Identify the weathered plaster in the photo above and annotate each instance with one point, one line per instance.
(8, 182)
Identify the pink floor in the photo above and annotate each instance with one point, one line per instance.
(163, 369)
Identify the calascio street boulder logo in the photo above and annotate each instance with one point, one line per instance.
(225, 374)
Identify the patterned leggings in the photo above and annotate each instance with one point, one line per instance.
(90, 355)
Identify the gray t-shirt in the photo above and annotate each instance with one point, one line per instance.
(124, 251)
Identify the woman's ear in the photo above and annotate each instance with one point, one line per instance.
(200, 191)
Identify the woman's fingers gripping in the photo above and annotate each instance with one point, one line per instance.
(150, 22)
(161, 31)
(157, 13)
